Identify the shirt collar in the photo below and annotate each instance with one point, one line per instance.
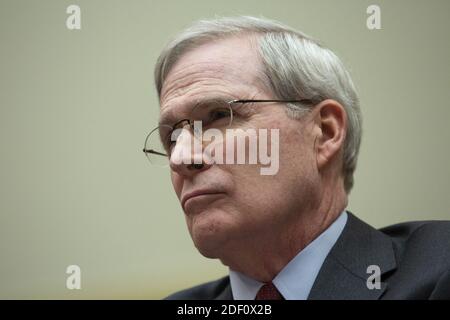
(296, 279)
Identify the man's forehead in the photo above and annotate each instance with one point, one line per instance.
(229, 59)
(187, 76)
(230, 49)
(227, 69)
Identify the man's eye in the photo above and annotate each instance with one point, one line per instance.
(167, 143)
(171, 142)
(171, 139)
(215, 115)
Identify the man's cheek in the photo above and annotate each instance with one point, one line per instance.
(177, 183)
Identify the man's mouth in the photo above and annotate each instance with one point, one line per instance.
(198, 194)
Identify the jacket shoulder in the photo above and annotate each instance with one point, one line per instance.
(428, 240)
(206, 291)
(424, 231)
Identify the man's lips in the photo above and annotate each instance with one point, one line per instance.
(197, 193)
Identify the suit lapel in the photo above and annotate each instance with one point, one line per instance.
(344, 272)
(226, 293)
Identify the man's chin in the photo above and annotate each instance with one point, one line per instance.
(210, 240)
(208, 244)
(210, 253)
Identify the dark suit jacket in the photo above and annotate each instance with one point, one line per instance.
(414, 259)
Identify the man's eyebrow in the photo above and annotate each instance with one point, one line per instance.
(170, 117)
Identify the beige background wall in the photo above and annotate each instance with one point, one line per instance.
(75, 107)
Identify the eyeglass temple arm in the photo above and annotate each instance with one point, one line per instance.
(287, 101)
(154, 152)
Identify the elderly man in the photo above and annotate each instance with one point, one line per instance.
(285, 232)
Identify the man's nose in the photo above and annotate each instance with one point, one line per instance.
(187, 156)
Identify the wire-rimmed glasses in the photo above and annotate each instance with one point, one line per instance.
(213, 114)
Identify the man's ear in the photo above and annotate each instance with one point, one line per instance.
(330, 121)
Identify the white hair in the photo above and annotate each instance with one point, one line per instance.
(294, 66)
